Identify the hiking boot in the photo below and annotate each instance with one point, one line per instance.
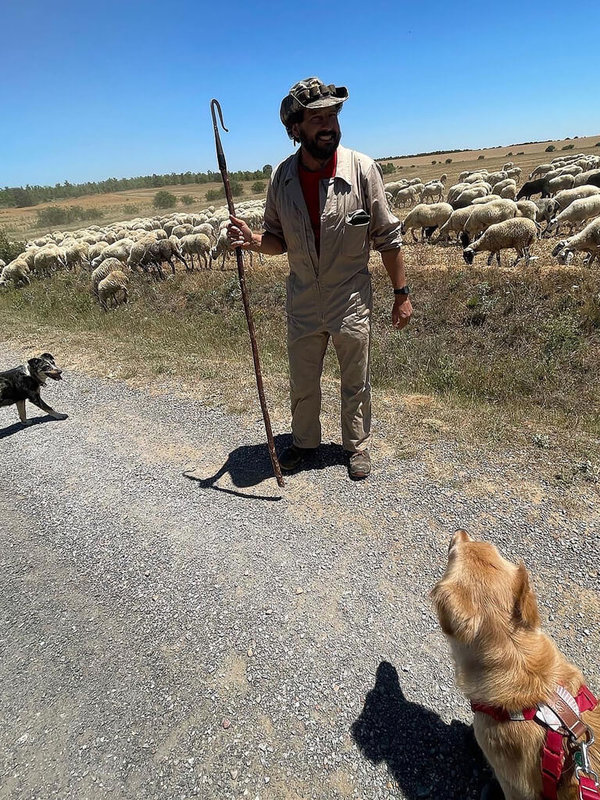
(293, 456)
(359, 465)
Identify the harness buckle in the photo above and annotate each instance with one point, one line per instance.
(581, 754)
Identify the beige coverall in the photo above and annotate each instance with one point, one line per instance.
(330, 295)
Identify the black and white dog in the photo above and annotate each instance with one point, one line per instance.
(24, 383)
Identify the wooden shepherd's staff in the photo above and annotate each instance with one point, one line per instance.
(240, 266)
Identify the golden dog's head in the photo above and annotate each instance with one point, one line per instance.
(482, 596)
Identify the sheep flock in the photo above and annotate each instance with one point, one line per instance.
(149, 247)
(484, 212)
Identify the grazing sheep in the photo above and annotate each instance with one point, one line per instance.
(509, 192)
(484, 215)
(182, 230)
(518, 233)
(76, 253)
(529, 188)
(540, 170)
(576, 213)
(48, 259)
(405, 197)
(514, 172)
(427, 217)
(120, 250)
(434, 189)
(15, 272)
(105, 268)
(560, 182)
(454, 224)
(488, 198)
(584, 177)
(586, 241)
(466, 197)
(568, 196)
(196, 244)
(221, 247)
(113, 288)
(527, 208)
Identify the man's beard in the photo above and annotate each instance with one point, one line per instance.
(320, 150)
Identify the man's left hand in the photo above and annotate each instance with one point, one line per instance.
(401, 312)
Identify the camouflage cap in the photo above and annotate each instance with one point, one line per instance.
(310, 93)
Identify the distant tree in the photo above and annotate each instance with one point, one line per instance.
(480, 158)
(550, 149)
(434, 161)
(448, 161)
(597, 144)
(568, 147)
(187, 199)
(267, 170)
(215, 194)
(521, 153)
(388, 168)
(509, 154)
(23, 197)
(164, 199)
(258, 187)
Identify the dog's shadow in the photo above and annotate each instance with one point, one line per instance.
(251, 465)
(425, 756)
(18, 426)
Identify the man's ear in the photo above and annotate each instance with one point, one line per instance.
(525, 610)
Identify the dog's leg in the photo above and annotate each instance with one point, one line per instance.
(37, 401)
(22, 412)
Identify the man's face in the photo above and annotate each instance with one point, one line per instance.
(319, 132)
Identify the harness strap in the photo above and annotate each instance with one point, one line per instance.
(588, 788)
(553, 760)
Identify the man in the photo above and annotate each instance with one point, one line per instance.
(325, 205)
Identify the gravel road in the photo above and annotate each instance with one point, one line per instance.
(213, 636)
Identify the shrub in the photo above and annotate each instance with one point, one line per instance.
(215, 194)
(521, 153)
(480, 158)
(164, 199)
(550, 149)
(509, 154)
(434, 161)
(9, 250)
(597, 144)
(568, 147)
(258, 187)
(388, 168)
(448, 161)
(187, 199)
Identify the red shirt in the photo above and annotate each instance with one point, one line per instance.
(310, 189)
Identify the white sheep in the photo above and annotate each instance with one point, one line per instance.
(427, 217)
(433, 189)
(15, 272)
(113, 288)
(101, 272)
(578, 212)
(518, 233)
(405, 197)
(196, 244)
(484, 215)
(527, 208)
(568, 196)
(454, 224)
(560, 182)
(586, 241)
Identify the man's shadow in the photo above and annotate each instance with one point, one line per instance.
(18, 426)
(425, 756)
(251, 465)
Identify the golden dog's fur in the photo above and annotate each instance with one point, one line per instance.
(489, 613)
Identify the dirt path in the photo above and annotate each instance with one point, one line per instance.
(213, 636)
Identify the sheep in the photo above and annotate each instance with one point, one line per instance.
(537, 186)
(559, 183)
(547, 207)
(584, 177)
(495, 177)
(48, 259)
(101, 272)
(482, 216)
(76, 253)
(182, 230)
(427, 217)
(120, 250)
(15, 272)
(577, 212)
(221, 247)
(587, 241)
(197, 244)
(518, 233)
(466, 197)
(540, 170)
(568, 196)
(406, 196)
(454, 224)
(509, 192)
(434, 189)
(527, 208)
(497, 188)
(206, 228)
(488, 198)
(514, 172)
(113, 288)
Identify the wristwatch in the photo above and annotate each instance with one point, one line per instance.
(405, 290)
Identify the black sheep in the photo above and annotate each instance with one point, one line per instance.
(537, 186)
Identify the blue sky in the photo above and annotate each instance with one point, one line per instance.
(91, 90)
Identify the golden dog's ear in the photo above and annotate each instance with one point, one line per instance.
(455, 611)
(458, 537)
(525, 609)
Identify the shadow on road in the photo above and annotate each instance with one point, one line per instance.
(251, 465)
(425, 756)
(10, 429)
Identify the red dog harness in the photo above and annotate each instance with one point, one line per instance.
(562, 721)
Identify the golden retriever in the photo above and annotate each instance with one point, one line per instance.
(488, 611)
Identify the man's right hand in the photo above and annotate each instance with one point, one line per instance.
(239, 234)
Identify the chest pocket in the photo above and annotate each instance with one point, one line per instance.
(355, 234)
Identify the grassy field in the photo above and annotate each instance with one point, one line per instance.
(494, 358)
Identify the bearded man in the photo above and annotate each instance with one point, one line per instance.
(325, 207)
